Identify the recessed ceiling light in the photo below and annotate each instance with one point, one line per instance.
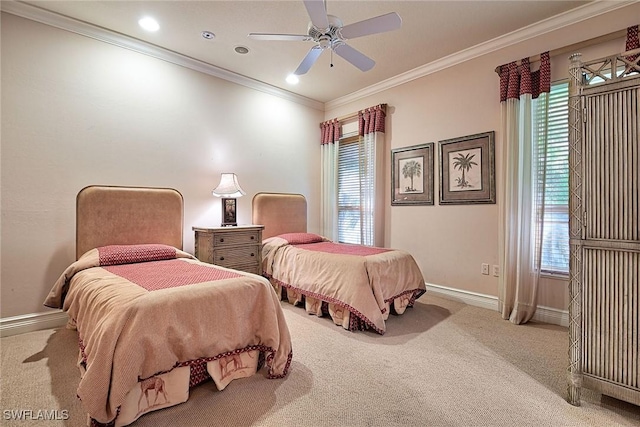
(242, 50)
(149, 24)
(208, 35)
(292, 79)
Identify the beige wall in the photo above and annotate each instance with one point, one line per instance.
(76, 112)
(451, 242)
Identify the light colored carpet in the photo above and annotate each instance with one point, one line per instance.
(442, 363)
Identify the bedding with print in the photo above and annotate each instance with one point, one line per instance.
(148, 315)
(357, 285)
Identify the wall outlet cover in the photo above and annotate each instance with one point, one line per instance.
(485, 269)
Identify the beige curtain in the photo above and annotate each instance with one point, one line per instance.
(330, 136)
(371, 127)
(524, 107)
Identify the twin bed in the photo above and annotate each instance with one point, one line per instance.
(357, 286)
(153, 321)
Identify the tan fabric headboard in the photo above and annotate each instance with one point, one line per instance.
(127, 215)
(279, 213)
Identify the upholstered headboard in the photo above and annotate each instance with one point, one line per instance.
(279, 213)
(107, 215)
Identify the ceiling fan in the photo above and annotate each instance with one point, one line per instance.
(327, 32)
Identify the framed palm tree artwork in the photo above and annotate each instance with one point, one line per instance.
(412, 175)
(467, 169)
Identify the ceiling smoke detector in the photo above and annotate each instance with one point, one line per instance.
(242, 50)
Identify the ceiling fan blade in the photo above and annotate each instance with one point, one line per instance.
(357, 58)
(309, 60)
(317, 12)
(379, 24)
(283, 37)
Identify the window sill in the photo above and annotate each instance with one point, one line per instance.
(557, 275)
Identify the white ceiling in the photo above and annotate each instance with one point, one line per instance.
(430, 31)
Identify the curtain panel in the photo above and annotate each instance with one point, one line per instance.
(524, 108)
(330, 136)
(371, 128)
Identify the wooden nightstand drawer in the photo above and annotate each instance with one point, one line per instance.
(238, 255)
(237, 247)
(249, 237)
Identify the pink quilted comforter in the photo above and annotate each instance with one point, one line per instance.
(365, 281)
(143, 310)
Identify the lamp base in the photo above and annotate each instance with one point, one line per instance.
(228, 212)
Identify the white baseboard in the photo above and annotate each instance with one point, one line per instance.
(32, 322)
(552, 315)
(37, 321)
(543, 314)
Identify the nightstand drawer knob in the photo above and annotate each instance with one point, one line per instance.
(221, 258)
(253, 237)
(252, 254)
(221, 240)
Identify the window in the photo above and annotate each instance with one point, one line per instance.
(350, 206)
(555, 240)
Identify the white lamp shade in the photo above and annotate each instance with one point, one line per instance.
(228, 187)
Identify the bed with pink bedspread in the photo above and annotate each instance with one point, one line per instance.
(357, 286)
(153, 321)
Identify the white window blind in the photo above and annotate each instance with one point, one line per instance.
(555, 240)
(350, 204)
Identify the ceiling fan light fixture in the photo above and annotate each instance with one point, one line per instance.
(324, 42)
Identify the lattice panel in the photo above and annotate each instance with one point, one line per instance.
(611, 157)
(611, 303)
(609, 69)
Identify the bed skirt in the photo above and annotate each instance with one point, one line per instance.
(342, 314)
(172, 387)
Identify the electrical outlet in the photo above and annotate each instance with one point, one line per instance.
(496, 271)
(485, 268)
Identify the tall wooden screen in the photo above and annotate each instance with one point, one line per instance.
(604, 205)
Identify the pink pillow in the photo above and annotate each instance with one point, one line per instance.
(129, 254)
(301, 238)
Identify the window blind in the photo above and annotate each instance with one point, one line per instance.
(349, 202)
(555, 240)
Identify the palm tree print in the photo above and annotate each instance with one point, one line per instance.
(463, 162)
(409, 170)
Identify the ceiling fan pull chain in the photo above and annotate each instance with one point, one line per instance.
(331, 64)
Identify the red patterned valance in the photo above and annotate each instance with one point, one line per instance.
(517, 80)
(330, 131)
(632, 42)
(372, 120)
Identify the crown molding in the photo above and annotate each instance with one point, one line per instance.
(589, 10)
(102, 34)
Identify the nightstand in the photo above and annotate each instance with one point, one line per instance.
(238, 247)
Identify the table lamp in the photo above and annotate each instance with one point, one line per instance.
(228, 190)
